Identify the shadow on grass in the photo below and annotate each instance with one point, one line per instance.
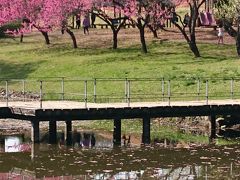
(17, 71)
(213, 59)
(60, 50)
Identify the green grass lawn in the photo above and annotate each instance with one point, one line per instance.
(94, 58)
(165, 59)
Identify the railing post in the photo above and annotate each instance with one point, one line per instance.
(6, 93)
(126, 90)
(63, 89)
(198, 89)
(24, 87)
(232, 89)
(85, 93)
(95, 90)
(41, 93)
(169, 92)
(163, 89)
(128, 93)
(207, 92)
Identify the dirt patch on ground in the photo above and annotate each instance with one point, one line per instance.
(102, 38)
(192, 125)
(203, 34)
(13, 126)
(130, 37)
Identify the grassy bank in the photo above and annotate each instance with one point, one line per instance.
(158, 133)
(95, 59)
(168, 57)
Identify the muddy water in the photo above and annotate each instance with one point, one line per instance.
(94, 157)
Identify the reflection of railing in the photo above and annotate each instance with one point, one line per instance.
(18, 173)
(195, 172)
(184, 172)
(119, 90)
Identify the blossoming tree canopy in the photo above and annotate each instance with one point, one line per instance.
(45, 15)
(27, 12)
(41, 12)
(57, 12)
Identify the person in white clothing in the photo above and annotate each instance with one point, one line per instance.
(220, 34)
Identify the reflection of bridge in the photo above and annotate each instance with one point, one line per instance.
(117, 99)
(213, 162)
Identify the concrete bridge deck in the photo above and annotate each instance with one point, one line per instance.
(70, 110)
(81, 105)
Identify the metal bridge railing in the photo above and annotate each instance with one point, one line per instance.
(126, 90)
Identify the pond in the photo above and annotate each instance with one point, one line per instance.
(95, 157)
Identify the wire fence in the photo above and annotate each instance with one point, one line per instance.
(110, 90)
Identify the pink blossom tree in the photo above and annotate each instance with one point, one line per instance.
(27, 12)
(44, 15)
(112, 13)
(56, 14)
(190, 35)
(143, 13)
(159, 15)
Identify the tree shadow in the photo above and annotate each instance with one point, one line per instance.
(17, 71)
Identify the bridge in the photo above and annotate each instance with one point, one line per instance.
(62, 99)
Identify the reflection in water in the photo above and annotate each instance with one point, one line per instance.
(10, 144)
(229, 133)
(152, 162)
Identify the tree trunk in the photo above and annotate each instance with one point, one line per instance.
(154, 31)
(155, 35)
(115, 40)
(238, 44)
(232, 32)
(194, 49)
(193, 45)
(21, 38)
(143, 41)
(238, 39)
(45, 34)
(72, 37)
(190, 40)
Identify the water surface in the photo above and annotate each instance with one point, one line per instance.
(19, 158)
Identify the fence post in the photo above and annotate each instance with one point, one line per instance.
(85, 93)
(63, 89)
(232, 89)
(163, 89)
(126, 90)
(41, 93)
(198, 89)
(128, 93)
(6, 93)
(207, 92)
(95, 90)
(169, 92)
(24, 94)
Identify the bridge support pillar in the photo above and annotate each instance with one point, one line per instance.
(34, 150)
(146, 131)
(213, 128)
(69, 132)
(35, 135)
(52, 132)
(117, 132)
